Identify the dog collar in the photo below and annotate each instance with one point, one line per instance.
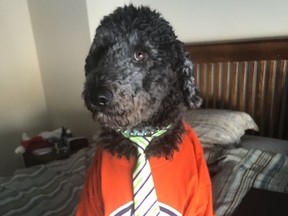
(145, 132)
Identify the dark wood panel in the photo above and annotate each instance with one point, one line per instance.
(250, 76)
(275, 49)
(259, 88)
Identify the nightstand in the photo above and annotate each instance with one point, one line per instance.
(31, 159)
(74, 145)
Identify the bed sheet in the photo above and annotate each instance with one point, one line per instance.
(234, 171)
(265, 144)
(43, 190)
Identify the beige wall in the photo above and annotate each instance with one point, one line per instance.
(22, 100)
(208, 20)
(62, 41)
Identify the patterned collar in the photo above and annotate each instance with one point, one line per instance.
(145, 132)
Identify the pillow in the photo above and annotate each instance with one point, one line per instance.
(215, 126)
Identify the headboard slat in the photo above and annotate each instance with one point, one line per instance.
(274, 96)
(254, 88)
(284, 105)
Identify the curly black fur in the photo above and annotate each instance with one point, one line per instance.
(137, 75)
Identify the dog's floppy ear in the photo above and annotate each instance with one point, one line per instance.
(190, 93)
(89, 60)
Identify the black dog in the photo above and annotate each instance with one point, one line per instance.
(138, 79)
(137, 76)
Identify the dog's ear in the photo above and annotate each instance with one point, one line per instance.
(190, 92)
(93, 57)
(89, 60)
(88, 64)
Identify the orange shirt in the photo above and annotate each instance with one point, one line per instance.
(182, 184)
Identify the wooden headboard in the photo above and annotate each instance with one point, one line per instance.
(250, 76)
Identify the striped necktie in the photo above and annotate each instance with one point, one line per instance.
(145, 197)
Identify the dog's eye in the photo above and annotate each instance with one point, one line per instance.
(140, 56)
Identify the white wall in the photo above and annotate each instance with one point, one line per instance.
(62, 40)
(209, 20)
(22, 100)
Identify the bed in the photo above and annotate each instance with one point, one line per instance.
(237, 161)
(242, 125)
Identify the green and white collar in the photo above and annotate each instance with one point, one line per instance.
(145, 132)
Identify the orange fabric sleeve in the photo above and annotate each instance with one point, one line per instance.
(205, 189)
(91, 200)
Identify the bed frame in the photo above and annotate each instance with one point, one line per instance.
(250, 76)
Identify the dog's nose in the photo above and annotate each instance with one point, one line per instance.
(102, 97)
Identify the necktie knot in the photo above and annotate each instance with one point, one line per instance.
(141, 143)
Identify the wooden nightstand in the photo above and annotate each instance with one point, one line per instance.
(31, 159)
(74, 145)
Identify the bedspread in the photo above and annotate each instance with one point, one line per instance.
(241, 169)
(51, 189)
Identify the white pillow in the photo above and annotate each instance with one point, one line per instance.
(215, 126)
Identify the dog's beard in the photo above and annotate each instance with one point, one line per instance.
(128, 109)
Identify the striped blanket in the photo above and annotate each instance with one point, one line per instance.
(237, 170)
(51, 189)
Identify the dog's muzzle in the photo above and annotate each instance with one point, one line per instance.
(102, 97)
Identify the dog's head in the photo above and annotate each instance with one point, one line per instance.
(136, 71)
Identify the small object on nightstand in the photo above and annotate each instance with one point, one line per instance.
(43, 151)
(61, 147)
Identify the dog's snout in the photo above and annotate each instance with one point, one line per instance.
(102, 97)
